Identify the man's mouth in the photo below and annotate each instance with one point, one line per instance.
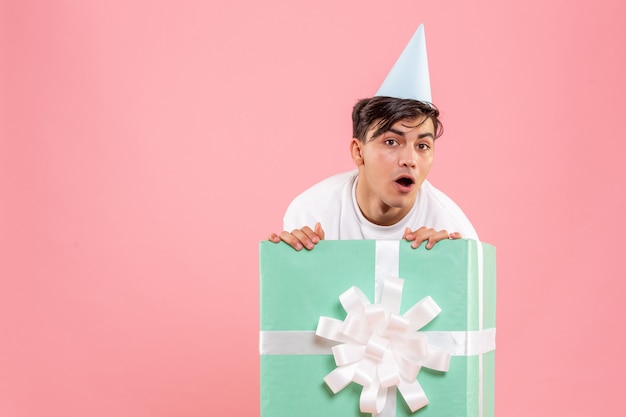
(405, 181)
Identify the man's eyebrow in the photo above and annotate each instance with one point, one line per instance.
(420, 136)
(396, 131)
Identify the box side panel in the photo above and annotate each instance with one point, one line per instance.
(489, 276)
(489, 384)
(473, 386)
(474, 287)
(489, 321)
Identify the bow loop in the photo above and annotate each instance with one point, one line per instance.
(379, 348)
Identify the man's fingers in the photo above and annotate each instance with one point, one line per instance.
(319, 231)
(436, 237)
(430, 236)
(419, 236)
(274, 238)
(313, 236)
(300, 238)
(291, 240)
(306, 237)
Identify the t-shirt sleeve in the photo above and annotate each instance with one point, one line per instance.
(457, 221)
(298, 215)
(320, 203)
(307, 208)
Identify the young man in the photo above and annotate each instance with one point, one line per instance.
(387, 197)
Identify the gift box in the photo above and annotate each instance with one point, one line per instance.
(297, 289)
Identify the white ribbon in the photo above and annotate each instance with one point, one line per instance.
(379, 348)
(305, 342)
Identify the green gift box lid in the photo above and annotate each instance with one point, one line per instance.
(298, 287)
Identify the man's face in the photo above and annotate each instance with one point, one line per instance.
(392, 167)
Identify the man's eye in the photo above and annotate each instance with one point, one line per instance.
(390, 142)
(423, 147)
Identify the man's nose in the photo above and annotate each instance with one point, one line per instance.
(407, 158)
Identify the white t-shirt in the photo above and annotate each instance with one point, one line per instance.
(332, 202)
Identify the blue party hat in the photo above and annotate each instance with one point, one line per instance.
(409, 76)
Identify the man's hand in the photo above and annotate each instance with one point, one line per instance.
(300, 238)
(431, 236)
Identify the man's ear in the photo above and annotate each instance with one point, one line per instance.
(356, 150)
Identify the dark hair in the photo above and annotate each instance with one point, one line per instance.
(385, 111)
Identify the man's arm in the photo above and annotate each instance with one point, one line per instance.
(299, 238)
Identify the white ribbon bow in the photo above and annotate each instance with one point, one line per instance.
(379, 348)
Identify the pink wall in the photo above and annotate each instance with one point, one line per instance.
(146, 148)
